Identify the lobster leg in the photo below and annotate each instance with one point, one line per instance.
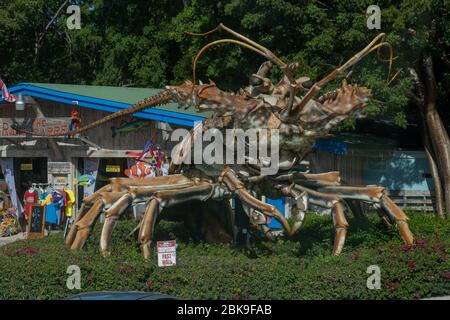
(81, 230)
(148, 226)
(115, 198)
(232, 182)
(114, 213)
(111, 217)
(377, 196)
(399, 217)
(301, 200)
(86, 205)
(335, 203)
(341, 225)
(164, 199)
(83, 227)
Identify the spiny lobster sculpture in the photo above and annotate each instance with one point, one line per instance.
(291, 108)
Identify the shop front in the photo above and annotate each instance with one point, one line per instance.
(47, 170)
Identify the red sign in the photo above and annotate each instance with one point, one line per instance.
(167, 253)
(38, 126)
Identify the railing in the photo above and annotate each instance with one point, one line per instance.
(413, 200)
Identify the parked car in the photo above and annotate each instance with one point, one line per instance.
(117, 295)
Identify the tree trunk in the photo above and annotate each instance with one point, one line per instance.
(438, 192)
(437, 133)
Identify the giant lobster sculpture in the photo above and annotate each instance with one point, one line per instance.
(289, 108)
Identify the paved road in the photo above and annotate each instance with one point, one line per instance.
(438, 298)
(21, 236)
(6, 240)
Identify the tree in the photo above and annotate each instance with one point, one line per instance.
(423, 26)
(143, 43)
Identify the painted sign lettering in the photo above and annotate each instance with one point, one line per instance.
(38, 126)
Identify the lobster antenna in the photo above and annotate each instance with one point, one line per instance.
(221, 26)
(393, 77)
(252, 45)
(376, 44)
(243, 44)
(243, 41)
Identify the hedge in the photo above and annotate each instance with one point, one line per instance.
(297, 268)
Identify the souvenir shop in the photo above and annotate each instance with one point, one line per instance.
(58, 172)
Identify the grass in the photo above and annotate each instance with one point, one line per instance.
(297, 268)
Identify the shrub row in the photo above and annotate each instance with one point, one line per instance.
(298, 268)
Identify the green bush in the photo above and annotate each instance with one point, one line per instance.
(297, 268)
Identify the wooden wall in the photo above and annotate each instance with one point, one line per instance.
(350, 165)
(101, 135)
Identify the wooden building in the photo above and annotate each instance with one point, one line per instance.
(62, 160)
(389, 161)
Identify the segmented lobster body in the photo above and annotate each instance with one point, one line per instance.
(291, 120)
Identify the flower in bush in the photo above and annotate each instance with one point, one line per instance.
(411, 265)
(124, 269)
(407, 247)
(90, 278)
(149, 284)
(392, 286)
(421, 243)
(125, 240)
(25, 251)
(417, 296)
(446, 276)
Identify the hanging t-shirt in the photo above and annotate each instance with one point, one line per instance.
(63, 208)
(39, 192)
(30, 198)
(70, 202)
(43, 198)
(54, 202)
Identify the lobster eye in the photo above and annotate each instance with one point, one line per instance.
(256, 81)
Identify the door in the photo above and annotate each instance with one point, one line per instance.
(28, 171)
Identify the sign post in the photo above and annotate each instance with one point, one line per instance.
(167, 253)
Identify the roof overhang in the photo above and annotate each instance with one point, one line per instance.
(156, 114)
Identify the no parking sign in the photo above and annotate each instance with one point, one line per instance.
(167, 253)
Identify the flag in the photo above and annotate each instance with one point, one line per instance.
(148, 148)
(6, 95)
(148, 145)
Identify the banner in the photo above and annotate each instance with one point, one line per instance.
(7, 165)
(90, 169)
(5, 93)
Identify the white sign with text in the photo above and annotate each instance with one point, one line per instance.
(167, 253)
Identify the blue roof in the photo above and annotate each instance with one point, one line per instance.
(109, 99)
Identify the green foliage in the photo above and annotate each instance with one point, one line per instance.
(143, 43)
(298, 268)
